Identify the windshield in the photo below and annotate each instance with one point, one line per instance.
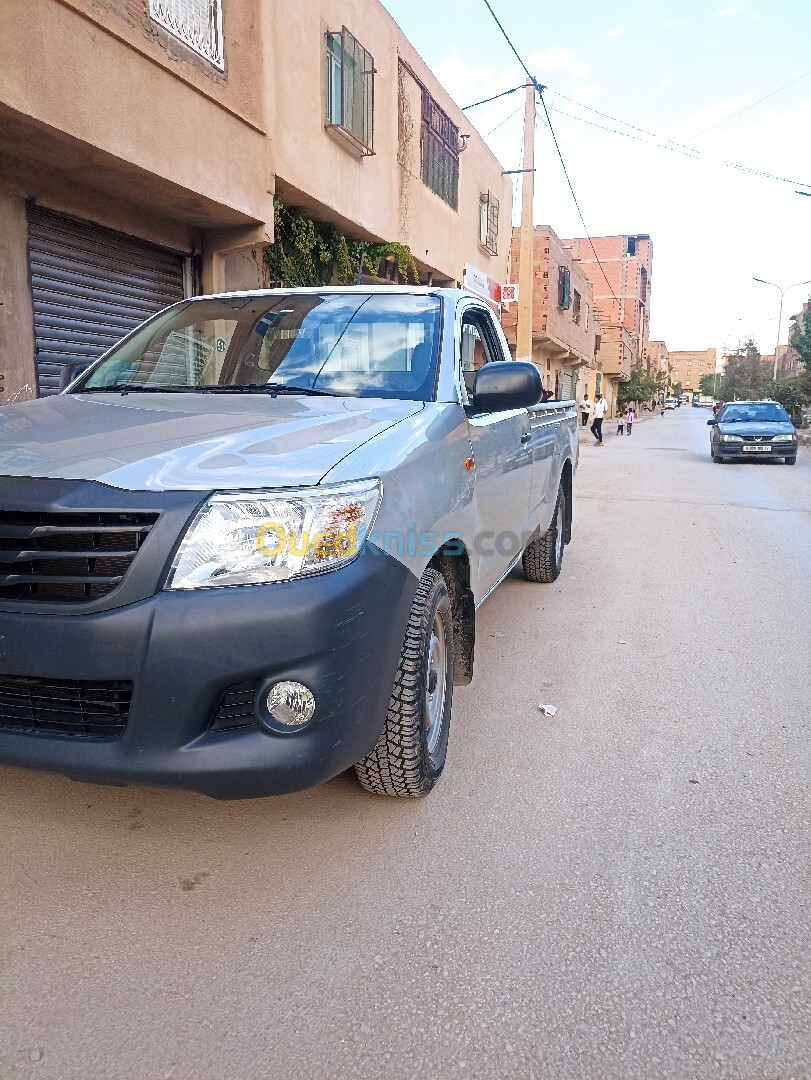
(358, 345)
(756, 412)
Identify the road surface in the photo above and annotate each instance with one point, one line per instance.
(621, 891)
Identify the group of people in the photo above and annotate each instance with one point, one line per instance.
(597, 409)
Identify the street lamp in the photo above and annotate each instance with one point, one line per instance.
(780, 313)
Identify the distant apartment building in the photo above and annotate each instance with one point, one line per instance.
(142, 143)
(564, 329)
(688, 367)
(620, 268)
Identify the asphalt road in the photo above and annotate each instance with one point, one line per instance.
(619, 892)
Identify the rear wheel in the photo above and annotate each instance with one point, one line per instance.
(543, 557)
(410, 754)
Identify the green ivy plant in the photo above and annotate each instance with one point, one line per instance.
(315, 253)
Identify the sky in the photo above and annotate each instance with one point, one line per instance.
(676, 72)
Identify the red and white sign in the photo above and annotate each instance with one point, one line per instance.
(478, 282)
(509, 294)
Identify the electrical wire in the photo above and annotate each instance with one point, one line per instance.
(539, 90)
(501, 123)
(765, 97)
(495, 97)
(676, 148)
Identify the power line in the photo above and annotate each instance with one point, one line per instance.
(501, 123)
(539, 90)
(765, 97)
(495, 97)
(673, 147)
(576, 203)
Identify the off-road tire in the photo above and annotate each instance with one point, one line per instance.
(401, 763)
(543, 557)
(791, 460)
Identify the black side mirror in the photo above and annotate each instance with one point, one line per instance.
(506, 384)
(711, 423)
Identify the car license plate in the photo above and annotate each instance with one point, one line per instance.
(757, 449)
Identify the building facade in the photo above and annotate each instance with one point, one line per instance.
(658, 359)
(564, 328)
(689, 367)
(620, 269)
(143, 143)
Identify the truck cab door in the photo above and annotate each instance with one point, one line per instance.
(502, 462)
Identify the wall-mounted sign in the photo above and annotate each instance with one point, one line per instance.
(478, 282)
(509, 294)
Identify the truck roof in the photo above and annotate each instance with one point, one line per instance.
(417, 290)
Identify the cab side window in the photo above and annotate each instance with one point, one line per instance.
(477, 347)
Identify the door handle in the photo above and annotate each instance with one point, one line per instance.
(526, 437)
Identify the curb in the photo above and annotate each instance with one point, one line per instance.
(804, 438)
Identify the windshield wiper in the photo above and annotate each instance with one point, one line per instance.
(268, 388)
(126, 388)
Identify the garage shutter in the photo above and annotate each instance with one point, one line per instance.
(90, 287)
(566, 386)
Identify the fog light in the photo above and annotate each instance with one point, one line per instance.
(290, 704)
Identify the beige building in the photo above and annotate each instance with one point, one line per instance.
(142, 143)
(688, 368)
(564, 329)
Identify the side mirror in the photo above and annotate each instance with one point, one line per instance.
(711, 423)
(506, 384)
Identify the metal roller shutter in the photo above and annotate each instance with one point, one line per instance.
(90, 287)
(566, 386)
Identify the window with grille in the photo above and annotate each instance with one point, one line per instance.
(440, 152)
(351, 90)
(576, 306)
(197, 23)
(488, 222)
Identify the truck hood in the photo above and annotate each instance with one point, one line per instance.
(189, 441)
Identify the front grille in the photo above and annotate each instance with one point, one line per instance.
(67, 556)
(64, 707)
(235, 708)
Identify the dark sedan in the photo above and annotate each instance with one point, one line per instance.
(745, 430)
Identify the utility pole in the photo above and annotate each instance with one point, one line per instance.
(526, 238)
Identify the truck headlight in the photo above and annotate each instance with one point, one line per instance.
(731, 438)
(784, 438)
(258, 537)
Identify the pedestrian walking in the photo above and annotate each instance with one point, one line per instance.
(585, 409)
(598, 413)
(630, 416)
(621, 423)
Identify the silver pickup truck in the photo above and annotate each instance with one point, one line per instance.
(243, 551)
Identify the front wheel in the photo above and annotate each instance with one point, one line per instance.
(717, 458)
(410, 754)
(791, 460)
(543, 557)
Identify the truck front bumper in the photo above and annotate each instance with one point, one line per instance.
(338, 633)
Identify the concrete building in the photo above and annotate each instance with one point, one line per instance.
(564, 329)
(620, 269)
(142, 143)
(688, 367)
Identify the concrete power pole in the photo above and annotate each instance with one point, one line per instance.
(526, 238)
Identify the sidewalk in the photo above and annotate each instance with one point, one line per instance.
(609, 426)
